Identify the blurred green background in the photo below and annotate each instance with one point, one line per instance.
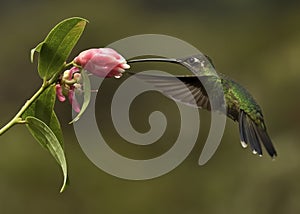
(255, 42)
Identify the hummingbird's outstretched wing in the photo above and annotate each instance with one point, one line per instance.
(185, 89)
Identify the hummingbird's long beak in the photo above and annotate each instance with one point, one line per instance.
(153, 60)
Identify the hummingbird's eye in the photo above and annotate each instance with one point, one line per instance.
(193, 60)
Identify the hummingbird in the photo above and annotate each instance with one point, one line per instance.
(240, 106)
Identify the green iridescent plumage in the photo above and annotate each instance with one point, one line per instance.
(237, 98)
(240, 105)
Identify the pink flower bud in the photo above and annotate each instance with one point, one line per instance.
(73, 72)
(59, 93)
(67, 85)
(102, 62)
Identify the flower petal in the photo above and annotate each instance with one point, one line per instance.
(102, 62)
(73, 101)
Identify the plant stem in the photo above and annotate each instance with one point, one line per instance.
(17, 118)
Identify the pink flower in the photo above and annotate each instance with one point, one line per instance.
(102, 62)
(67, 85)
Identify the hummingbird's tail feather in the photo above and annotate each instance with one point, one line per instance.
(266, 140)
(248, 134)
(253, 135)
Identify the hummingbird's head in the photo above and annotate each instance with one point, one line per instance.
(198, 63)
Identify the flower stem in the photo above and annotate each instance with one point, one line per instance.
(17, 118)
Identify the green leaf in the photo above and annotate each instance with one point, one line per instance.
(45, 136)
(86, 94)
(56, 128)
(36, 49)
(42, 108)
(58, 45)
